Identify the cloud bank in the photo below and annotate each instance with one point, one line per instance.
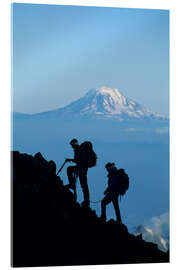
(156, 231)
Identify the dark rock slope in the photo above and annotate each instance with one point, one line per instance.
(51, 229)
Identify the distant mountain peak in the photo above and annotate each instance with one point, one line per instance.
(104, 90)
(109, 100)
(107, 104)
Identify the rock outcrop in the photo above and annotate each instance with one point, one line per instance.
(51, 229)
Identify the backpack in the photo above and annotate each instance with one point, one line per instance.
(123, 181)
(87, 156)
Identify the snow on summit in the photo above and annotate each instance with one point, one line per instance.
(110, 100)
(108, 103)
(104, 103)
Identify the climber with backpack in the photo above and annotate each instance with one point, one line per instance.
(84, 157)
(118, 183)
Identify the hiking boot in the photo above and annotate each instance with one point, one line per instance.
(119, 222)
(85, 204)
(103, 219)
(69, 186)
(122, 226)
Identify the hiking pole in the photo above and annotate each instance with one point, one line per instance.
(61, 168)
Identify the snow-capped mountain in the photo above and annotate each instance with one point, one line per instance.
(104, 103)
(107, 103)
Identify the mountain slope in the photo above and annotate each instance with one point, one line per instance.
(107, 103)
(51, 229)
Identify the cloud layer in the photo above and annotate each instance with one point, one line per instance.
(156, 231)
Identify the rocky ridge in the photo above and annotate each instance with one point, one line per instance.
(51, 229)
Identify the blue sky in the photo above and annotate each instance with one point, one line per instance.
(60, 52)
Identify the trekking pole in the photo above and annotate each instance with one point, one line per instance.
(61, 168)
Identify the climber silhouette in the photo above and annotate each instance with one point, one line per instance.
(111, 193)
(80, 169)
